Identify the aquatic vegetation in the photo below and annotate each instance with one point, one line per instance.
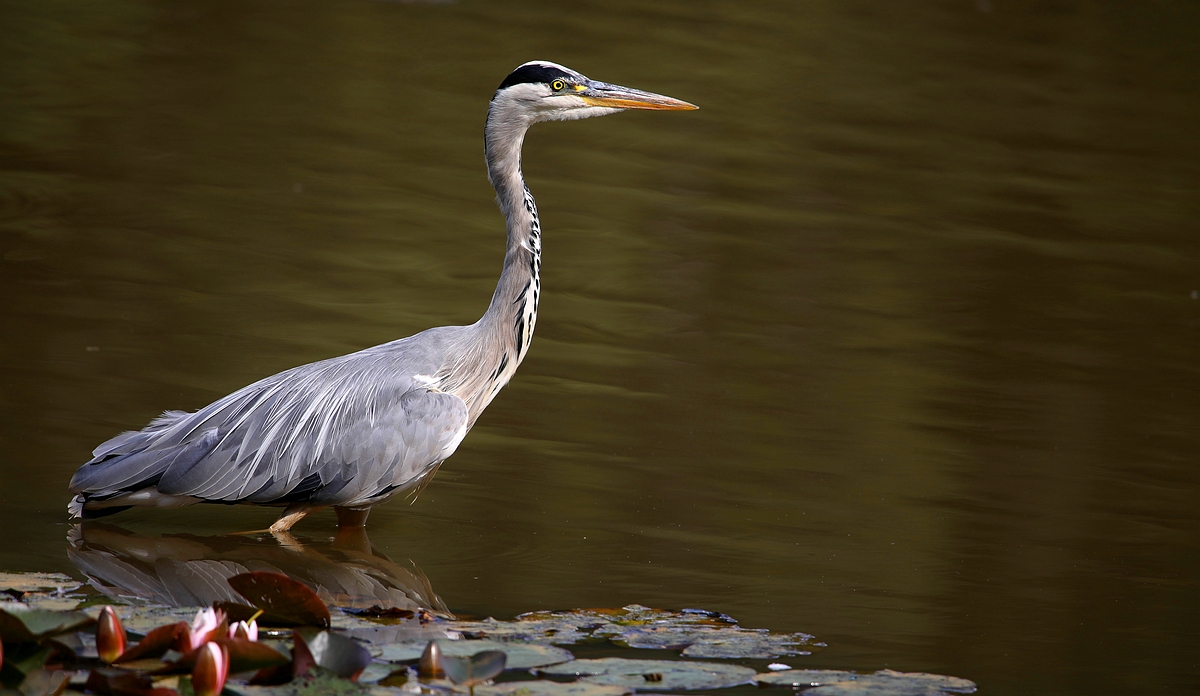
(280, 639)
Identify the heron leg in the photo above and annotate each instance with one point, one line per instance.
(291, 515)
(352, 517)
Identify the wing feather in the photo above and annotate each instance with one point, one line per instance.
(361, 424)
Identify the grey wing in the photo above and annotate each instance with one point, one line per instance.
(341, 432)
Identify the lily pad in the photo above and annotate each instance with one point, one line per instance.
(890, 683)
(470, 670)
(569, 627)
(244, 656)
(698, 640)
(36, 582)
(545, 687)
(317, 685)
(557, 630)
(338, 654)
(655, 675)
(804, 678)
(20, 625)
(519, 655)
(284, 601)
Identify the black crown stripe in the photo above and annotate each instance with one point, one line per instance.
(534, 73)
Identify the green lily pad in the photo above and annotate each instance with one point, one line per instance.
(317, 685)
(697, 640)
(20, 625)
(36, 582)
(557, 631)
(338, 654)
(470, 670)
(804, 678)
(519, 655)
(655, 675)
(891, 683)
(569, 627)
(545, 687)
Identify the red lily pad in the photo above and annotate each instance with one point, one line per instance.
(284, 601)
(244, 656)
(156, 642)
(119, 682)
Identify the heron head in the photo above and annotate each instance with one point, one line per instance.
(543, 91)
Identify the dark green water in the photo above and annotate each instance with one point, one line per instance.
(896, 341)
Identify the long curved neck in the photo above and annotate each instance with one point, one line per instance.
(501, 336)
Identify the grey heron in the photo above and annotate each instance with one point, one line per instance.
(352, 431)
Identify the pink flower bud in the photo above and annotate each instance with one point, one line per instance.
(244, 631)
(212, 666)
(208, 625)
(110, 636)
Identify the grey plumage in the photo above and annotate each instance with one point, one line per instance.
(355, 430)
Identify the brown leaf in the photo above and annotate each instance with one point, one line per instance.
(284, 601)
(156, 642)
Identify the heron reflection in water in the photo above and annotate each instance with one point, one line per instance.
(185, 570)
(353, 431)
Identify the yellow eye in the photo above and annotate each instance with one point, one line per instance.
(558, 85)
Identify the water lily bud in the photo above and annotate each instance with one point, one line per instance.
(243, 630)
(431, 662)
(208, 625)
(212, 666)
(110, 636)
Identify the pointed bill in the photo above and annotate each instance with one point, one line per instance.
(618, 97)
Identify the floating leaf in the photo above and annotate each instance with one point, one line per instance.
(35, 582)
(545, 687)
(470, 670)
(120, 682)
(655, 675)
(338, 654)
(742, 643)
(17, 625)
(42, 682)
(284, 601)
(568, 627)
(890, 683)
(940, 681)
(315, 685)
(156, 642)
(519, 655)
(244, 656)
(803, 678)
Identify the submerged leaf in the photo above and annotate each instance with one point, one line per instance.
(284, 601)
(655, 675)
(519, 655)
